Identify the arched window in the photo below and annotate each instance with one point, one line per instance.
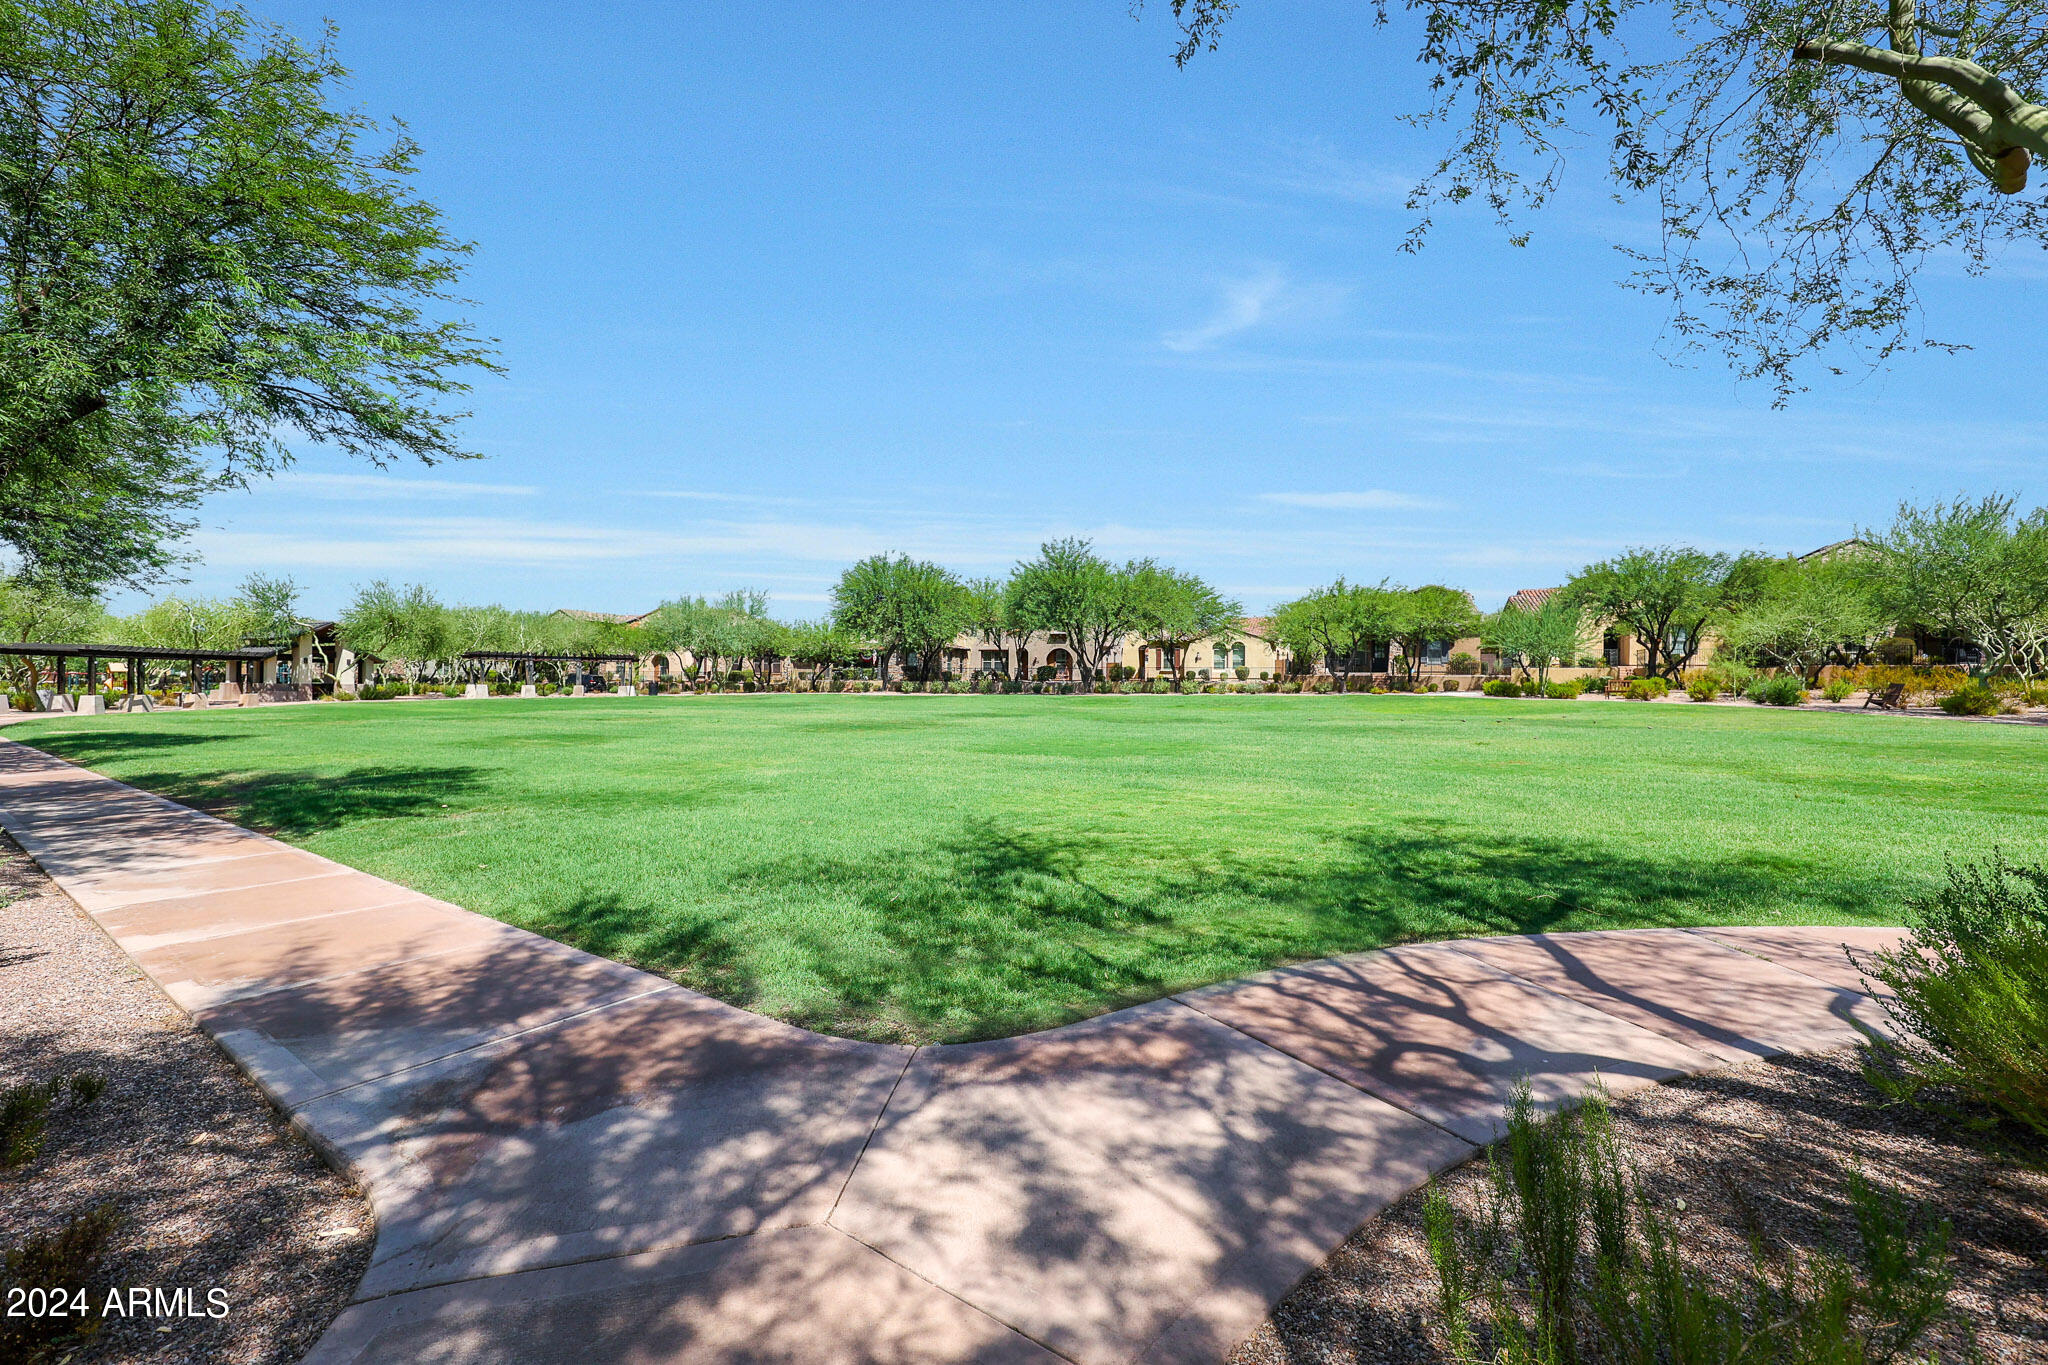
(1222, 656)
(1237, 655)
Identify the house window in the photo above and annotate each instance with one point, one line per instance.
(1222, 657)
(995, 661)
(1237, 655)
(1680, 643)
(1610, 645)
(1058, 637)
(1436, 651)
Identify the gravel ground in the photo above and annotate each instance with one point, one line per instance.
(213, 1189)
(1774, 1136)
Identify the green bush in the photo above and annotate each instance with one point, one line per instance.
(24, 1112)
(1837, 689)
(1972, 699)
(1462, 663)
(1646, 689)
(1786, 689)
(1703, 688)
(1967, 993)
(67, 1260)
(1565, 690)
(1570, 1261)
(1503, 687)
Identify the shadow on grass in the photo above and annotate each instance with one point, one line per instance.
(296, 804)
(1006, 930)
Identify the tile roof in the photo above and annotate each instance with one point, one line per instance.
(1529, 599)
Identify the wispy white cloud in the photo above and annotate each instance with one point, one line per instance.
(1256, 300)
(391, 487)
(1362, 500)
(1317, 167)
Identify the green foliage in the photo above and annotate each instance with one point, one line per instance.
(404, 626)
(1973, 699)
(1070, 588)
(1646, 689)
(1336, 624)
(1837, 689)
(1177, 610)
(1968, 995)
(1432, 612)
(1785, 689)
(1805, 159)
(1463, 663)
(1808, 614)
(218, 263)
(906, 607)
(68, 1260)
(1703, 687)
(24, 1114)
(1563, 691)
(1668, 597)
(1975, 570)
(1536, 639)
(1502, 687)
(1569, 1261)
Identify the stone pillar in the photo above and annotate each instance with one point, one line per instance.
(92, 704)
(528, 690)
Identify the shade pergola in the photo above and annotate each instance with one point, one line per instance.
(492, 656)
(235, 659)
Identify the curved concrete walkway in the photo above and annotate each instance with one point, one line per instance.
(575, 1161)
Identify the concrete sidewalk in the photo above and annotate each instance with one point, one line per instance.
(575, 1161)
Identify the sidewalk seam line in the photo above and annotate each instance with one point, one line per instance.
(868, 1141)
(1303, 1061)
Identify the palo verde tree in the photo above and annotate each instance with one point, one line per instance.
(204, 259)
(1539, 638)
(1071, 589)
(1808, 614)
(1805, 157)
(1966, 569)
(1426, 614)
(1177, 610)
(1666, 597)
(906, 606)
(1336, 624)
(405, 627)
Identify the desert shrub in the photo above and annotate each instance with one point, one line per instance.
(1044, 673)
(1569, 1260)
(1837, 689)
(1565, 690)
(1786, 689)
(1968, 994)
(1703, 688)
(1462, 663)
(1919, 682)
(1503, 687)
(1646, 689)
(1264, 676)
(66, 1261)
(24, 1113)
(1241, 673)
(1973, 700)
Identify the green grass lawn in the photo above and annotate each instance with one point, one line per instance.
(968, 867)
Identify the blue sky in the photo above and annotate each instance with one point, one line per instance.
(776, 289)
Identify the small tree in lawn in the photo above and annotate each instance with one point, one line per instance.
(1667, 597)
(1177, 610)
(1807, 616)
(1334, 624)
(270, 606)
(991, 620)
(1428, 613)
(405, 626)
(1964, 569)
(906, 606)
(40, 610)
(1071, 589)
(821, 646)
(1536, 639)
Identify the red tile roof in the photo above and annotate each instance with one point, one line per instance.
(1529, 599)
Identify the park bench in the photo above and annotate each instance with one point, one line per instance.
(1891, 698)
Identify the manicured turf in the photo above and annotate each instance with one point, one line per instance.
(961, 867)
